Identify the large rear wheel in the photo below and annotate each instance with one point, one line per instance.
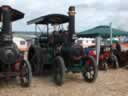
(90, 69)
(34, 59)
(25, 74)
(58, 70)
(115, 62)
(104, 65)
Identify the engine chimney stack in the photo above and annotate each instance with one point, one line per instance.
(71, 14)
(6, 19)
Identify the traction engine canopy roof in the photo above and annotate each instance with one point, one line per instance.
(50, 19)
(15, 14)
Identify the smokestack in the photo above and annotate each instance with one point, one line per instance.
(6, 19)
(71, 14)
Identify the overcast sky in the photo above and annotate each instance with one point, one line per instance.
(90, 13)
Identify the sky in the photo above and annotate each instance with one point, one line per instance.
(89, 13)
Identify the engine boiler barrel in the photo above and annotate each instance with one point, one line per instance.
(71, 21)
(6, 19)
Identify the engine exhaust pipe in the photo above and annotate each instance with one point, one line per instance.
(71, 13)
(6, 19)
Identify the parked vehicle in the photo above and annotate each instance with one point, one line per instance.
(58, 49)
(21, 43)
(108, 57)
(12, 63)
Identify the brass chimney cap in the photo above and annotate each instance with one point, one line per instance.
(6, 7)
(72, 11)
(72, 8)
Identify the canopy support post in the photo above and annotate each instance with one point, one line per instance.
(36, 29)
(111, 33)
(47, 30)
(98, 39)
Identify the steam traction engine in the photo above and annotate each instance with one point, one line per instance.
(58, 49)
(12, 63)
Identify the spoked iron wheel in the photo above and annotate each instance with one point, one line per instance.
(26, 74)
(104, 65)
(32, 57)
(90, 70)
(115, 62)
(58, 71)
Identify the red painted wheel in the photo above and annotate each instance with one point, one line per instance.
(90, 70)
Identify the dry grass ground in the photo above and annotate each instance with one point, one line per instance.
(111, 83)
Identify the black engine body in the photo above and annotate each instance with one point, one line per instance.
(9, 52)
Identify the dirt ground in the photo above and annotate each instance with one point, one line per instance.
(110, 83)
